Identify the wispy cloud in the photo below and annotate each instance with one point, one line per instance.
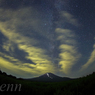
(14, 25)
(90, 60)
(66, 17)
(69, 54)
(10, 28)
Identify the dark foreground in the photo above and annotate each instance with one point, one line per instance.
(10, 85)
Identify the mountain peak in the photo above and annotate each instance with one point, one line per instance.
(50, 77)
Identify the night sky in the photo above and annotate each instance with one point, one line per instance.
(41, 36)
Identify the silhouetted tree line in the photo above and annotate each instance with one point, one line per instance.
(3, 73)
(80, 86)
(11, 76)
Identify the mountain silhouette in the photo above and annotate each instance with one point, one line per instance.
(49, 77)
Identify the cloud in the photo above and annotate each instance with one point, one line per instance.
(8, 45)
(17, 68)
(66, 17)
(90, 60)
(37, 55)
(8, 57)
(69, 54)
(14, 25)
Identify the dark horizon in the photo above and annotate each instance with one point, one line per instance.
(29, 78)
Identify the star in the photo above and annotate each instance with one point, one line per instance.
(76, 5)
